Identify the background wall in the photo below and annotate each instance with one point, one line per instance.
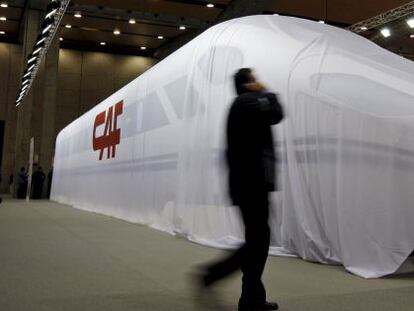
(87, 78)
(84, 80)
(10, 71)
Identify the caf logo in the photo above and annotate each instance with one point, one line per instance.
(112, 134)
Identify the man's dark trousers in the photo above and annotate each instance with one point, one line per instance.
(251, 257)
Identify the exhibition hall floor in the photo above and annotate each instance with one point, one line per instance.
(54, 257)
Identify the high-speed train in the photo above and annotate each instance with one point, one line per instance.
(152, 152)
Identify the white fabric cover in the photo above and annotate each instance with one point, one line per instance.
(346, 148)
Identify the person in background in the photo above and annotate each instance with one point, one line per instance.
(11, 185)
(251, 160)
(38, 180)
(22, 184)
(49, 182)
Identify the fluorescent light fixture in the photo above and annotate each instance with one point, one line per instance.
(183, 28)
(78, 15)
(103, 43)
(47, 29)
(132, 21)
(117, 32)
(3, 18)
(27, 74)
(210, 5)
(321, 22)
(364, 28)
(160, 37)
(386, 32)
(31, 67)
(25, 81)
(2, 32)
(37, 50)
(411, 36)
(31, 60)
(68, 26)
(410, 22)
(4, 5)
(50, 14)
(143, 48)
(25, 87)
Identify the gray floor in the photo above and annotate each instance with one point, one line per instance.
(53, 257)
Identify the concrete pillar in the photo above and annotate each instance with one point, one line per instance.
(47, 142)
(24, 111)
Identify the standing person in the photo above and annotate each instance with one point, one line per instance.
(11, 184)
(251, 161)
(22, 183)
(38, 180)
(49, 182)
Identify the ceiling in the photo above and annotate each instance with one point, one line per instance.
(154, 18)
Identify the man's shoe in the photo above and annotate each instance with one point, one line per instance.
(267, 306)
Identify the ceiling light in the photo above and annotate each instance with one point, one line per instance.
(51, 13)
(2, 32)
(41, 41)
(183, 28)
(103, 43)
(143, 48)
(78, 15)
(27, 74)
(25, 87)
(37, 50)
(25, 81)
(3, 18)
(321, 22)
(4, 5)
(68, 26)
(47, 28)
(385, 32)
(410, 22)
(132, 21)
(210, 5)
(364, 28)
(160, 37)
(60, 39)
(117, 32)
(31, 67)
(32, 59)
(411, 36)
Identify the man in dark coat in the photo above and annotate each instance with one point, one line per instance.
(22, 183)
(38, 178)
(251, 161)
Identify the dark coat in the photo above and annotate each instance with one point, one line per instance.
(250, 152)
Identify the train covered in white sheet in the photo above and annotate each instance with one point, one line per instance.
(152, 152)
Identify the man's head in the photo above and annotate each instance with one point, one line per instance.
(242, 78)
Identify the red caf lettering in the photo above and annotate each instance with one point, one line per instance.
(112, 134)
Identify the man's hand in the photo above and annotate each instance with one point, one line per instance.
(255, 87)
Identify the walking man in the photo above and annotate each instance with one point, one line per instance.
(251, 161)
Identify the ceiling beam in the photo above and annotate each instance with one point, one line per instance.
(384, 18)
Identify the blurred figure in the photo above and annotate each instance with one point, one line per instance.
(49, 182)
(251, 161)
(11, 184)
(37, 181)
(22, 184)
